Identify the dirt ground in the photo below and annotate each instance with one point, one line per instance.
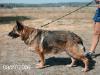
(14, 54)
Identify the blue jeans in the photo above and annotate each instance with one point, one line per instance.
(97, 16)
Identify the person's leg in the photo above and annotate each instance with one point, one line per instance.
(95, 40)
(96, 36)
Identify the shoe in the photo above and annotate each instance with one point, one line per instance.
(90, 54)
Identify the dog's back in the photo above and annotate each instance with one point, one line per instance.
(56, 41)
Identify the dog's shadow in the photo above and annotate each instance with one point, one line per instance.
(54, 61)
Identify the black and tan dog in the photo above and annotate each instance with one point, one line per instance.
(44, 41)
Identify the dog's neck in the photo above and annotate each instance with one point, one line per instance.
(28, 35)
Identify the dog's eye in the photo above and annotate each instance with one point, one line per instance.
(17, 28)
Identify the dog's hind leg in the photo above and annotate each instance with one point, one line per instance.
(86, 62)
(74, 51)
(72, 62)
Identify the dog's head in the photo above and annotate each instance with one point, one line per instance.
(17, 29)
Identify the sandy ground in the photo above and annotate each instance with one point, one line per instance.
(16, 59)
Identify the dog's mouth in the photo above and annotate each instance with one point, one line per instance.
(13, 35)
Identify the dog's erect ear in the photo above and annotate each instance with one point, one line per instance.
(19, 25)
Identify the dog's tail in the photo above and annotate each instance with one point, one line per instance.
(84, 51)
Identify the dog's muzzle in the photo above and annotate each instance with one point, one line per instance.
(13, 35)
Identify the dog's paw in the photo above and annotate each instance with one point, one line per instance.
(30, 48)
(84, 70)
(69, 65)
(39, 66)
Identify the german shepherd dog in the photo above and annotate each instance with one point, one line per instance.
(46, 41)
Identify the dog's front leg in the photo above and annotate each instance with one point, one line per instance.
(42, 62)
